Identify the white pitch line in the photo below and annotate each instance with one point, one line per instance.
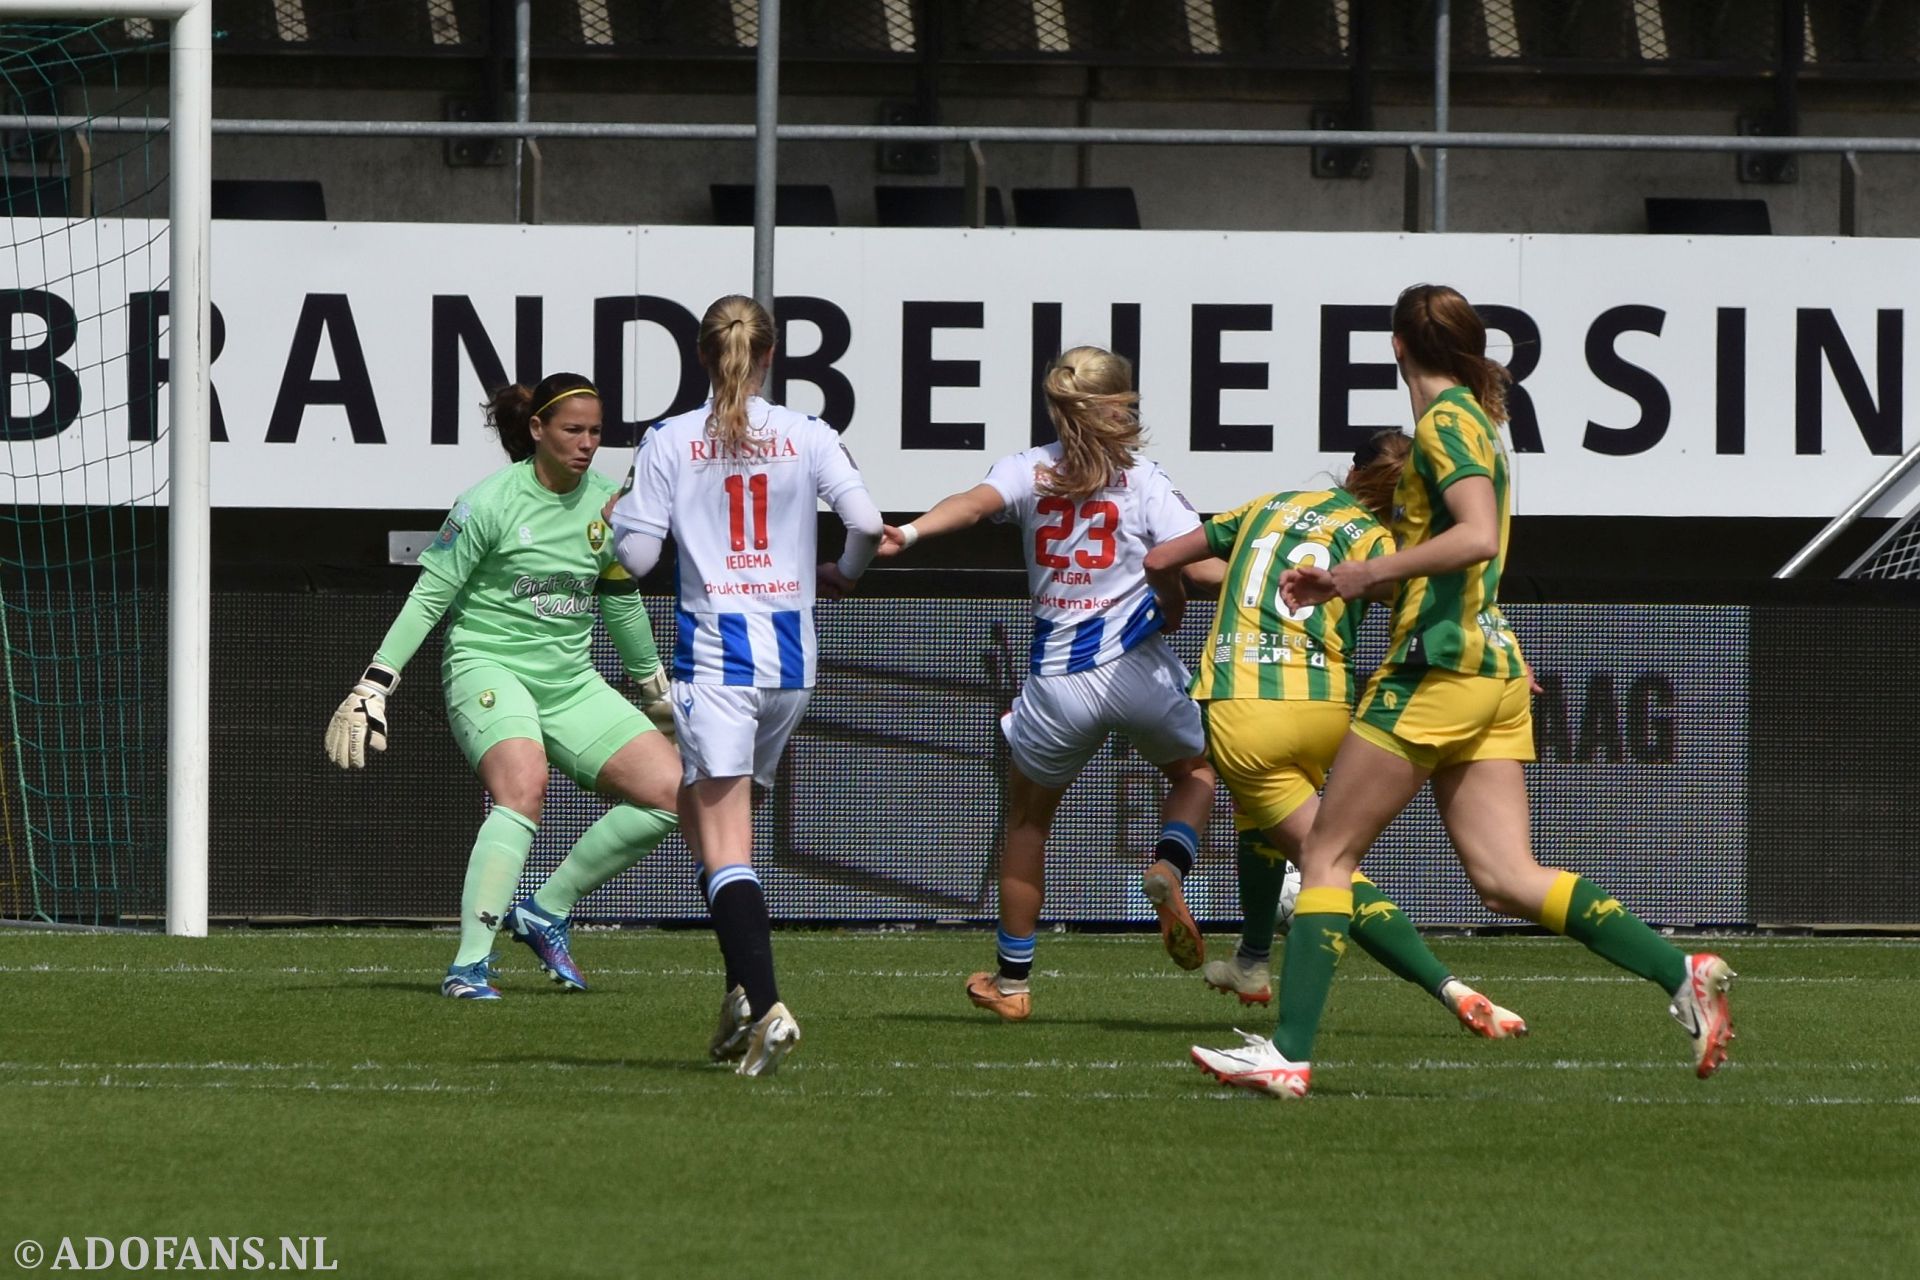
(801, 1087)
(1049, 1065)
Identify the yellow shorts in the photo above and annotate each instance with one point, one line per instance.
(1437, 718)
(1273, 755)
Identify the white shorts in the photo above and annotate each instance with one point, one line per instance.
(734, 731)
(1058, 722)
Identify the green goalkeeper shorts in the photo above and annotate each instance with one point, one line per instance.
(581, 725)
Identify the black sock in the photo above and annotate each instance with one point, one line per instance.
(700, 883)
(746, 936)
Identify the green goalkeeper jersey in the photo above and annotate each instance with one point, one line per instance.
(525, 564)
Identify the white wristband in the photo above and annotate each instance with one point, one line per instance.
(908, 536)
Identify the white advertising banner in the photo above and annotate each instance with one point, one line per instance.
(1659, 376)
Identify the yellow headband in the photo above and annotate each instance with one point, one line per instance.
(570, 391)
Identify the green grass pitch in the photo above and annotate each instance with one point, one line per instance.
(312, 1083)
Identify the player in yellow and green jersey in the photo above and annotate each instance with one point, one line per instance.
(1451, 703)
(520, 568)
(1276, 687)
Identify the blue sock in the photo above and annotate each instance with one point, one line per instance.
(1251, 956)
(1016, 955)
(1179, 845)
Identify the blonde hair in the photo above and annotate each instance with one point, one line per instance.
(1096, 414)
(1376, 471)
(735, 336)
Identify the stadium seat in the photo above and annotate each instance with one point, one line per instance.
(902, 206)
(1088, 208)
(30, 195)
(1685, 216)
(794, 205)
(271, 199)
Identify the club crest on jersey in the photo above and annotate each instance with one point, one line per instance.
(596, 534)
(486, 700)
(526, 536)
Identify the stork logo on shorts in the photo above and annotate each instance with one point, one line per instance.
(596, 534)
(486, 700)
(526, 536)
(1391, 698)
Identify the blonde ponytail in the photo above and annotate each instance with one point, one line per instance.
(735, 336)
(1096, 414)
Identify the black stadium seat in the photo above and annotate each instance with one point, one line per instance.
(794, 205)
(1680, 216)
(903, 206)
(1084, 207)
(272, 199)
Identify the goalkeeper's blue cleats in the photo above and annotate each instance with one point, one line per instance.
(470, 981)
(548, 939)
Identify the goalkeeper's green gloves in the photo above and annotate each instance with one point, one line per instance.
(359, 724)
(651, 694)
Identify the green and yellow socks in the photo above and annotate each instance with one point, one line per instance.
(623, 835)
(493, 873)
(1581, 910)
(1384, 932)
(1321, 921)
(1263, 873)
(1380, 928)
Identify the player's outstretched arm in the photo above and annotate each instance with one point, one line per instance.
(1473, 538)
(1177, 552)
(949, 515)
(359, 723)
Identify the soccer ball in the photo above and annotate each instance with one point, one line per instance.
(1289, 898)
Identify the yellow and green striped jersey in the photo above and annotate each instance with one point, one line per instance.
(1259, 648)
(1452, 620)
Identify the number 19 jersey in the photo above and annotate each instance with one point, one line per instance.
(1086, 557)
(1259, 648)
(746, 522)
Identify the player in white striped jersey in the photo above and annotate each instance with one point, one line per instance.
(737, 483)
(1089, 508)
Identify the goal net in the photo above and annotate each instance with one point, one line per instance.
(84, 283)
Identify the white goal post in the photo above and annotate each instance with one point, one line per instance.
(189, 556)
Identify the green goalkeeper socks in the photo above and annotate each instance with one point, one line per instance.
(493, 873)
(624, 835)
(1263, 870)
(1384, 932)
(1315, 944)
(1589, 915)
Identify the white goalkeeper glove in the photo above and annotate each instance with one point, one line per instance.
(651, 694)
(359, 724)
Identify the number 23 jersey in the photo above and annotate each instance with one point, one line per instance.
(1085, 557)
(746, 522)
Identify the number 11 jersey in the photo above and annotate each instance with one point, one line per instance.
(1085, 557)
(746, 523)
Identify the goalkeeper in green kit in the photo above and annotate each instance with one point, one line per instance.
(518, 568)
